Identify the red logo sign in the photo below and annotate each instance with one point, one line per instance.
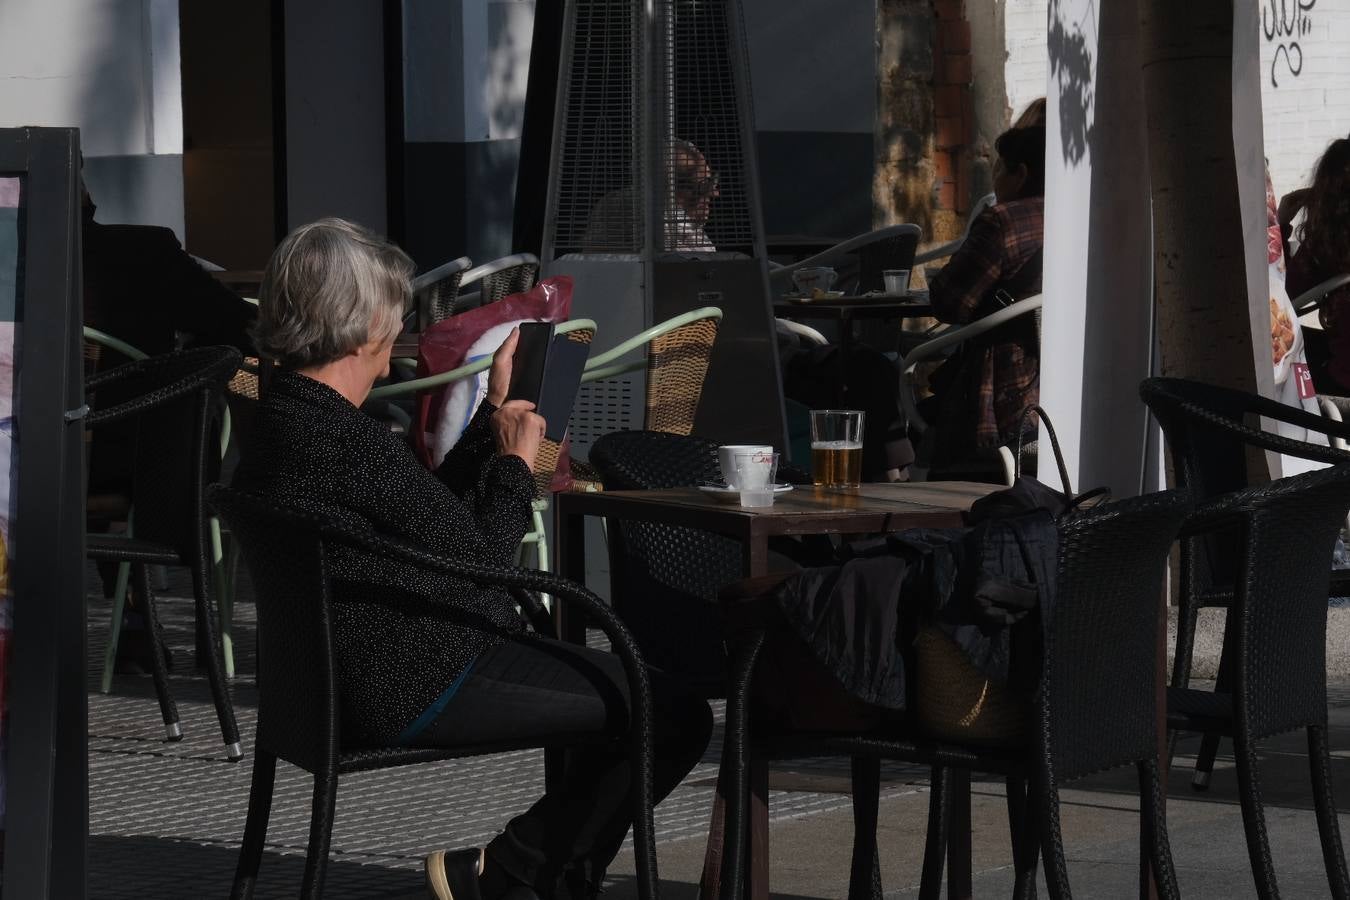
(1303, 380)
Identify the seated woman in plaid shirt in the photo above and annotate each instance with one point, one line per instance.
(981, 391)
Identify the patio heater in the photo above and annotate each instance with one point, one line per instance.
(653, 203)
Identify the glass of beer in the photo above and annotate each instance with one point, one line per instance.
(836, 447)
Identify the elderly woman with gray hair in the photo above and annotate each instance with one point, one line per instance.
(331, 304)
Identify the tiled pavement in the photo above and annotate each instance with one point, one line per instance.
(165, 819)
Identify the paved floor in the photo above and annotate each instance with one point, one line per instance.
(165, 819)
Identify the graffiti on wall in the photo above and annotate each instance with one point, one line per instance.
(1284, 23)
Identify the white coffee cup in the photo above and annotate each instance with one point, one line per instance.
(731, 457)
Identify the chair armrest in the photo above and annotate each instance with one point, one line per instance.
(938, 252)
(1312, 298)
(950, 338)
(848, 246)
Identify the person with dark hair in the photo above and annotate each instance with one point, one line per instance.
(1323, 252)
(1033, 115)
(981, 392)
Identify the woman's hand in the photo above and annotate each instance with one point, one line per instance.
(518, 429)
(1290, 204)
(499, 376)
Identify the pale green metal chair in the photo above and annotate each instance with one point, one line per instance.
(546, 463)
(678, 352)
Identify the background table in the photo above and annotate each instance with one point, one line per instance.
(871, 509)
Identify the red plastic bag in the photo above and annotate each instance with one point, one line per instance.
(450, 343)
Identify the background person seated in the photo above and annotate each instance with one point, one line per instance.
(980, 392)
(413, 669)
(1323, 252)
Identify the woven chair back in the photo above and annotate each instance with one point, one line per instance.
(665, 579)
(297, 689)
(677, 365)
(1098, 700)
(1289, 538)
(171, 405)
(1210, 431)
(511, 280)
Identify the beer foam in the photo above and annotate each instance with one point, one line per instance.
(836, 445)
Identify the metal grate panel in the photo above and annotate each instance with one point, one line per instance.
(653, 103)
(705, 176)
(603, 406)
(599, 149)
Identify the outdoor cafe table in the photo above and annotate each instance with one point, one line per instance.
(849, 310)
(870, 509)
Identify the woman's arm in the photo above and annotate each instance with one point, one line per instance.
(474, 449)
(977, 265)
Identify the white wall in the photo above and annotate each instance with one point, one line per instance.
(110, 68)
(1305, 84)
(1028, 64)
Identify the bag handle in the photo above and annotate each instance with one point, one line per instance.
(1054, 444)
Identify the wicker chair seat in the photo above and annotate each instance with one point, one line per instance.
(117, 548)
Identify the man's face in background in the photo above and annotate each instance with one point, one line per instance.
(695, 184)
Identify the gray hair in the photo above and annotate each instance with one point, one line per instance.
(330, 287)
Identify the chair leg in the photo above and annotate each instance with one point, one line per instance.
(935, 847)
(1046, 813)
(1153, 828)
(1209, 743)
(1025, 843)
(1188, 615)
(1254, 817)
(1333, 853)
(215, 673)
(865, 873)
(159, 668)
(736, 764)
(255, 830)
(320, 834)
(959, 886)
(119, 605)
(222, 570)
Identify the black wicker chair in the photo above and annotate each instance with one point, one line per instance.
(1266, 554)
(173, 403)
(1095, 709)
(298, 712)
(1208, 433)
(665, 579)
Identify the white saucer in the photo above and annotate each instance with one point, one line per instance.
(724, 494)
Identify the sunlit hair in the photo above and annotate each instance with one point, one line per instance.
(1033, 115)
(1025, 147)
(330, 287)
(1325, 232)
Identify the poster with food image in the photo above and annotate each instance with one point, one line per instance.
(1293, 378)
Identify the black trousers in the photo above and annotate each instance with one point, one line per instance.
(541, 688)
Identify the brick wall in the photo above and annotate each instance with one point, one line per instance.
(953, 113)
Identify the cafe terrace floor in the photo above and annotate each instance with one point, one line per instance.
(165, 820)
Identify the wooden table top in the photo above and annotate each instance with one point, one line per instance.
(804, 510)
(913, 304)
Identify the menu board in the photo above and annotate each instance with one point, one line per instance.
(10, 189)
(43, 699)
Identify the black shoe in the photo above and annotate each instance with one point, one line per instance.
(453, 874)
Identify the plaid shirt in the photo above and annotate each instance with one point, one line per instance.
(996, 376)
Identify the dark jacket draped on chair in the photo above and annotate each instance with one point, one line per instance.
(402, 636)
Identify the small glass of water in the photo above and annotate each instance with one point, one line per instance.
(896, 281)
(755, 475)
(836, 447)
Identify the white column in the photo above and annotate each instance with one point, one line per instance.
(1096, 322)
